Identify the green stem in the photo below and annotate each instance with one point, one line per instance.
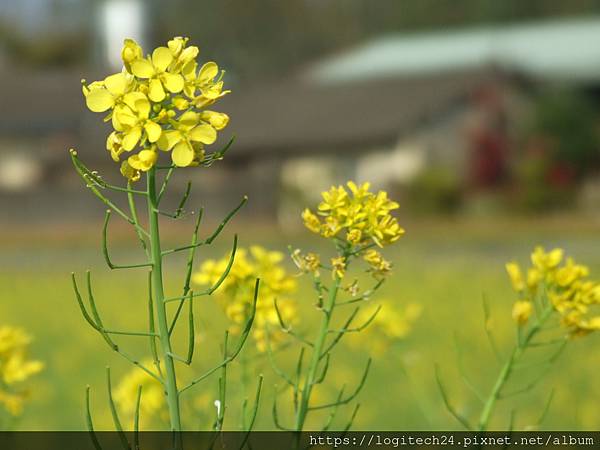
(161, 312)
(316, 356)
(508, 367)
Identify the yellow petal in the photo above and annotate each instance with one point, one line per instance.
(116, 84)
(203, 133)
(142, 106)
(132, 98)
(161, 58)
(131, 51)
(99, 100)
(131, 138)
(183, 154)
(189, 70)
(189, 119)
(156, 91)
(144, 160)
(168, 139)
(208, 72)
(216, 119)
(176, 45)
(124, 117)
(142, 68)
(173, 82)
(189, 53)
(153, 131)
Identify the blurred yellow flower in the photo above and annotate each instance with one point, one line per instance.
(15, 367)
(159, 99)
(515, 275)
(390, 325)
(237, 291)
(571, 294)
(153, 397)
(522, 311)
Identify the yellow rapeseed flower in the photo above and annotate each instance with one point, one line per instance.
(159, 101)
(364, 216)
(572, 295)
(15, 367)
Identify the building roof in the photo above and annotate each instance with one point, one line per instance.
(559, 49)
(300, 117)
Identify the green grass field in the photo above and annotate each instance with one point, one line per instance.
(446, 266)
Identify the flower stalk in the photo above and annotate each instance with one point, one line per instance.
(311, 376)
(507, 369)
(161, 313)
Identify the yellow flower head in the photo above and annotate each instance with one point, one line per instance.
(565, 284)
(363, 215)
(380, 268)
(158, 101)
(237, 291)
(15, 367)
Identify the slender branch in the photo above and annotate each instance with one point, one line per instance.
(335, 409)
(88, 420)
(163, 187)
(136, 221)
(364, 296)
(350, 397)
(136, 419)
(287, 329)
(115, 414)
(337, 338)
(105, 248)
(462, 420)
(218, 283)
(188, 274)
(361, 327)
(276, 417)
(102, 198)
(352, 417)
(240, 345)
(488, 331)
(254, 411)
(462, 370)
(213, 236)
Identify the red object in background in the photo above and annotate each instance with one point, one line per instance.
(488, 141)
(560, 176)
(488, 158)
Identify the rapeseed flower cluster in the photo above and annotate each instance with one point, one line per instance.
(358, 217)
(158, 103)
(357, 220)
(15, 367)
(567, 285)
(237, 291)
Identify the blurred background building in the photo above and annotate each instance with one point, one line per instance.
(469, 107)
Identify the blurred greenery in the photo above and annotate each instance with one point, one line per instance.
(446, 266)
